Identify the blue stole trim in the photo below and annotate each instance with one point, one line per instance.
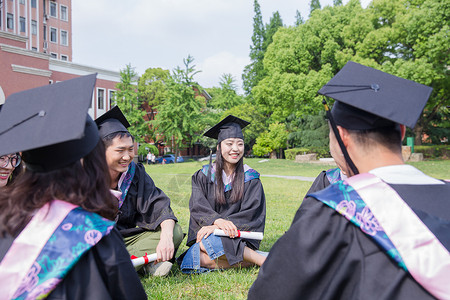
(333, 175)
(250, 174)
(126, 183)
(353, 208)
(76, 234)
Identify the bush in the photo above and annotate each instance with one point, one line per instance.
(433, 151)
(321, 152)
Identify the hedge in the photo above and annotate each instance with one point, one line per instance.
(433, 151)
(321, 152)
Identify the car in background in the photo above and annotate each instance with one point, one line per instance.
(168, 159)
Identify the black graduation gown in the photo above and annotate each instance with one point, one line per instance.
(145, 205)
(324, 256)
(104, 272)
(249, 214)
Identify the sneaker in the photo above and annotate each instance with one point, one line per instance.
(160, 269)
(262, 253)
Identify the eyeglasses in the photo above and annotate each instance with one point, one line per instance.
(13, 159)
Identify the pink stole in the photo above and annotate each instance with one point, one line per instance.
(28, 245)
(427, 260)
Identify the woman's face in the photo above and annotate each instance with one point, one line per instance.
(7, 166)
(232, 150)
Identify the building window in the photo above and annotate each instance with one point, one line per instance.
(101, 99)
(10, 21)
(22, 24)
(33, 3)
(64, 57)
(33, 27)
(34, 49)
(64, 38)
(53, 35)
(112, 99)
(22, 1)
(53, 9)
(45, 32)
(63, 12)
(54, 55)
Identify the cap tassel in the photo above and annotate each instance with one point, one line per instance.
(338, 137)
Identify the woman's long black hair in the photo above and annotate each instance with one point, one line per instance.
(237, 192)
(84, 183)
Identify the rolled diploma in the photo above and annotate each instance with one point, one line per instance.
(143, 260)
(251, 235)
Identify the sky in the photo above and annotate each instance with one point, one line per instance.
(110, 34)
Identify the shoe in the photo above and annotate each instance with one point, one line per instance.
(262, 253)
(160, 269)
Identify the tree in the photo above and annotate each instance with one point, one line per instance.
(313, 5)
(272, 141)
(271, 28)
(130, 104)
(225, 97)
(298, 19)
(152, 86)
(178, 118)
(254, 71)
(337, 2)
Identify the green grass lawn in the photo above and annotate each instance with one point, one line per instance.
(283, 197)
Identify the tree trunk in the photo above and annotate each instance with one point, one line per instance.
(418, 134)
(273, 155)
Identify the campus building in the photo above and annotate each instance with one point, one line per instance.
(36, 49)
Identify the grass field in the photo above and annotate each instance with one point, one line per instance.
(283, 197)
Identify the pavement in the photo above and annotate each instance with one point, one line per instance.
(302, 178)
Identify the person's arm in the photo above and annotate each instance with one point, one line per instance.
(166, 248)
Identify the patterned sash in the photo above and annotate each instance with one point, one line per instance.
(46, 250)
(333, 175)
(394, 226)
(249, 174)
(125, 182)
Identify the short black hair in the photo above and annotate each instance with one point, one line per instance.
(107, 140)
(389, 137)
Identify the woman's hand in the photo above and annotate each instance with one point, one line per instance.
(227, 226)
(205, 231)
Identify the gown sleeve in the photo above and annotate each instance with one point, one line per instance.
(323, 256)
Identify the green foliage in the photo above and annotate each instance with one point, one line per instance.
(130, 104)
(272, 140)
(225, 97)
(434, 151)
(320, 151)
(145, 148)
(313, 5)
(298, 18)
(179, 118)
(152, 86)
(309, 131)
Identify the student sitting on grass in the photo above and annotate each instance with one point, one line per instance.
(226, 195)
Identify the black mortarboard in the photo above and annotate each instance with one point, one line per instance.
(111, 122)
(50, 124)
(230, 127)
(369, 98)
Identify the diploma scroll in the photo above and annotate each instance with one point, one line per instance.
(143, 260)
(251, 235)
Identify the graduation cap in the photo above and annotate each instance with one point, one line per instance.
(230, 127)
(50, 124)
(111, 122)
(368, 98)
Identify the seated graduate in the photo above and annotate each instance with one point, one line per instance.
(58, 239)
(145, 219)
(382, 233)
(226, 195)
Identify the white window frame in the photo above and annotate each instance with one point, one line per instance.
(64, 57)
(33, 27)
(21, 1)
(33, 2)
(54, 55)
(61, 13)
(22, 25)
(56, 35)
(50, 9)
(9, 16)
(66, 43)
(103, 100)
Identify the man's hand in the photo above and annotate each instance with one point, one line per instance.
(205, 231)
(165, 249)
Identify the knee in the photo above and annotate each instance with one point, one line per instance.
(178, 235)
(206, 262)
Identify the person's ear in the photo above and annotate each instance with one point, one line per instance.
(402, 131)
(345, 135)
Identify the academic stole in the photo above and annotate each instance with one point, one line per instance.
(125, 182)
(394, 226)
(46, 250)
